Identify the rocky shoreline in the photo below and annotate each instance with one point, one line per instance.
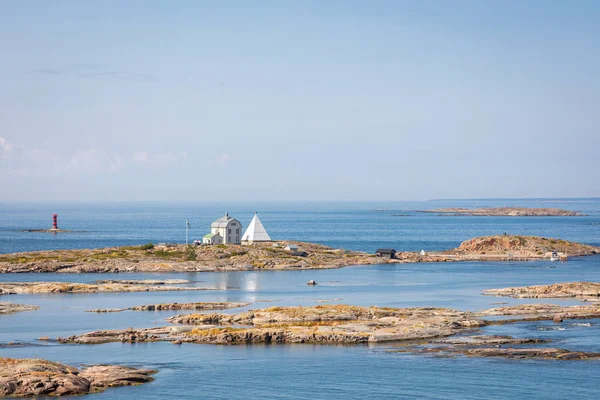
(38, 377)
(505, 212)
(74, 287)
(265, 256)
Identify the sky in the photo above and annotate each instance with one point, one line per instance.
(298, 100)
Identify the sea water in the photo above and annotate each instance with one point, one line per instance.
(309, 371)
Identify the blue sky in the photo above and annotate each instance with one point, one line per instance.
(298, 100)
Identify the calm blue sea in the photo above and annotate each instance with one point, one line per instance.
(350, 225)
(307, 371)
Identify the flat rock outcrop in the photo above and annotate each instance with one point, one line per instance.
(7, 308)
(203, 305)
(506, 212)
(327, 324)
(37, 377)
(580, 290)
(318, 324)
(73, 287)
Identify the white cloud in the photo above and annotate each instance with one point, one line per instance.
(5, 149)
(21, 161)
(223, 159)
(94, 162)
(145, 157)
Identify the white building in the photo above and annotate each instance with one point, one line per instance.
(228, 228)
(212, 238)
(256, 232)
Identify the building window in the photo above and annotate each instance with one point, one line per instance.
(230, 231)
(237, 231)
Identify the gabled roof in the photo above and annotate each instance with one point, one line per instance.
(210, 235)
(223, 221)
(256, 232)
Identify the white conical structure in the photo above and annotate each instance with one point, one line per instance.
(256, 232)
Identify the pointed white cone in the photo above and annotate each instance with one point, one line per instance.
(256, 232)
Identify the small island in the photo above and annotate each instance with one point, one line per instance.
(421, 329)
(283, 255)
(505, 212)
(37, 377)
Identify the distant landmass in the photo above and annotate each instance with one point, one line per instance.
(542, 199)
(506, 211)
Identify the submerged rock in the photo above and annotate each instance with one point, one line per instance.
(7, 308)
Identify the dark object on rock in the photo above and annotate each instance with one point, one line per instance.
(299, 254)
(386, 253)
(557, 319)
(311, 282)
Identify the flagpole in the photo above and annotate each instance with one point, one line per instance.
(187, 224)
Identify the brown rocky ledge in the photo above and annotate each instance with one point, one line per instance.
(586, 291)
(198, 306)
(37, 377)
(264, 256)
(506, 212)
(7, 308)
(73, 287)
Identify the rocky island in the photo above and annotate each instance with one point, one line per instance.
(505, 212)
(265, 256)
(37, 377)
